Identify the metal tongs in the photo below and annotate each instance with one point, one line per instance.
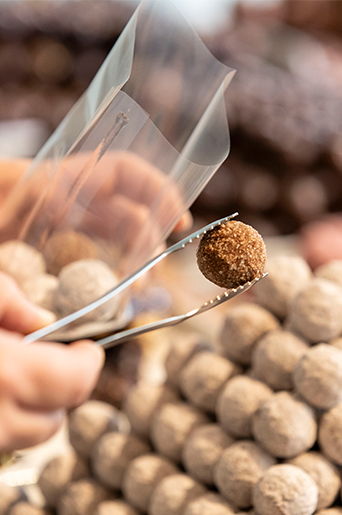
(122, 336)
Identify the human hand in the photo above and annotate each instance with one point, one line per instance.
(40, 381)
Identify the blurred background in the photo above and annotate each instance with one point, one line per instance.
(284, 103)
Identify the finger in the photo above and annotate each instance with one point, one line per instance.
(50, 376)
(17, 313)
(21, 428)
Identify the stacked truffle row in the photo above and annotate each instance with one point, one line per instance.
(66, 276)
(253, 425)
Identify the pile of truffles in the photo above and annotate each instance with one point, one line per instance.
(250, 422)
(65, 276)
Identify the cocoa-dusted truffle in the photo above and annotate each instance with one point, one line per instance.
(332, 270)
(173, 494)
(242, 326)
(330, 434)
(202, 450)
(142, 476)
(275, 356)
(316, 312)
(83, 282)
(209, 504)
(172, 425)
(20, 260)
(237, 403)
(64, 247)
(58, 473)
(287, 275)
(111, 455)
(231, 254)
(337, 342)
(202, 379)
(182, 349)
(318, 376)
(41, 290)
(25, 508)
(326, 476)
(81, 497)
(116, 507)
(90, 421)
(239, 468)
(284, 425)
(143, 401)
(285, 490)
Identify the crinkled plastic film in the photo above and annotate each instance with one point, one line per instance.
(135, 151)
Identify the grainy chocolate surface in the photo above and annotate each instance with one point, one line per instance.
(231, 254)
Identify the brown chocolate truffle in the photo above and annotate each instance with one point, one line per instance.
(330, 511)
(64, 247)
(82, 497)
(284, 425)
(275, 356)
(41, 289)
(143, 401)
(142, 476)
(172, 425)
(330, 434)
(90, 421)
(25, 508)
(116, 507)
(285, 490)
(332, 270)
(173, 494)
(238, 470)
(326, 476)
(58, 473)
(112, 454)
(237, 403)
(242, 326)
(318, 376)
(231, 254)
(21, 261)
(202, 379)
(202, 450)
(209, 504)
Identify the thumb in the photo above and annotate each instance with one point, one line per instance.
(17, 313)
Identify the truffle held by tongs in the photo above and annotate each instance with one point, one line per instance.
(122, 336)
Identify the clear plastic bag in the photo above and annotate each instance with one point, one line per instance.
(133, 153)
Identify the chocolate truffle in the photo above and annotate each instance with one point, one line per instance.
(284, 425)
(242, 326)
(90, 421)
(64, 247)
(209, 504)
(25, 508)
(287, 275)
(285, 490)
(318, 376)
(58, 473)
(330, 434)
(143, 401)
(182, 349)
(316, 312)
(237, 403)
(231, 254)
(238, 470)
(173, 493)
(83, 282)
(332, 270)
(202, 379)
(326, 476)
(111, 455)
(21, 261)
(172, 425)
(330, 511)
(41, 289)
(202, 450)
(81, 498)
(142, 476)
(116, 507)
(275, 356)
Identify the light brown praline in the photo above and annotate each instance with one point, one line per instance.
(231, 254)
